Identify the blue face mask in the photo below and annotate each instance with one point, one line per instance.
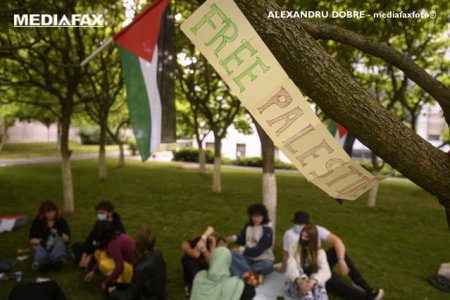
(298, 228)
(102, 217)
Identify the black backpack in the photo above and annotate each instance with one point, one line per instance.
(48, 290)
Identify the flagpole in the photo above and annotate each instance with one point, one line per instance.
(97, 51)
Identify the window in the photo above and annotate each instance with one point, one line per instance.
(436, 123)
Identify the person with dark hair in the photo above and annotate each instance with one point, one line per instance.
(196, 254)
(114, 256)
(255, 240)
(83, 252)
(149, 276)
(336, 255)
(217, 283)
(49, 234)
(307, 268)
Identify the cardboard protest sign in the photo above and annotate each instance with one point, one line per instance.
(225, 37)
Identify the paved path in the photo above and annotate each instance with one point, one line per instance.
(186, 165)
(50, 159)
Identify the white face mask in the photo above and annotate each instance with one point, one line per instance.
(102, 217)
(298, 228)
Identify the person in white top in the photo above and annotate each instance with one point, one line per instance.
(335, 255)
(307, 268)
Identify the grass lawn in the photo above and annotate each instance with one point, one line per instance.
(31, 150)
(396, 245)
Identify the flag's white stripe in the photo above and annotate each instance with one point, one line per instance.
(149, 72)
(340, 140)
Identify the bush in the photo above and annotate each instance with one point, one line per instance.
(258, 162)
(191, 155)
(387, 170)
(132, 146)
(248, 162)
(91, 136)
(284, 165)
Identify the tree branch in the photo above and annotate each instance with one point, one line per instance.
(433, 86)
(324, 80)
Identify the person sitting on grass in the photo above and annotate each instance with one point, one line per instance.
(196, 254)
(307, 268)
(336, 255)
(115, 256)
(149, 276)
(49, 234)
(217, 283)
(84, 252)
(256, 238)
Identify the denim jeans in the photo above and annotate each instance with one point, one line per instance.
(241, 264)
(58, 251)
(292, 291)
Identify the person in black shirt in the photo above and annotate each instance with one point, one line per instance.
(196, 254)
(149, 276)
(49, 235)
(83, 252)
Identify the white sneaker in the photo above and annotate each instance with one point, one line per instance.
(260, 279)
(379, 294)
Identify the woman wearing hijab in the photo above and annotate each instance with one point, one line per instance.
(217, 283)
(307, 268)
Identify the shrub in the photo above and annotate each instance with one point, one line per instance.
(132, 146)
(387, 170)
(284, 165)
(258, 162)
(91, 136)
(191, 155)
(248, 162)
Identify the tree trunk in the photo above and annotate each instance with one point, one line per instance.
(101, 152)
(217, 184)
(48, 132)
(372, 200)
(342, 99)
(2, 133)
(121, 155)
(269, 186)
(270, 197)
(69, 206)
(201, 159)
(58, 135)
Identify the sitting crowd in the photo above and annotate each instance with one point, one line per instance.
(136, 269)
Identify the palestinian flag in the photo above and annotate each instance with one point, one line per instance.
(344, 138)
(147, 56)
(8, 223)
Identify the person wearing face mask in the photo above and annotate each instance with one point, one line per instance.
(336, 255)
(307, 268)
(83, 252)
